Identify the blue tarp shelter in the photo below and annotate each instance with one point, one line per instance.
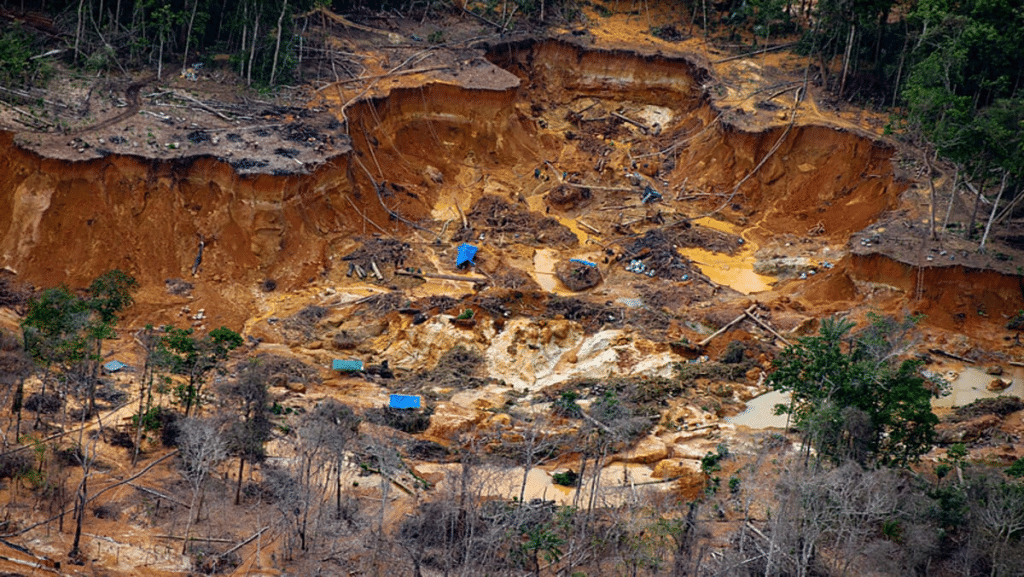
(114, 366)
(345, 365)
(466, 254)
(583, 262)
(404, 402)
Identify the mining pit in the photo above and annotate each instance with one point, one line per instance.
(627, 202)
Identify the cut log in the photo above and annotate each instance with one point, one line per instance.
(766, 327)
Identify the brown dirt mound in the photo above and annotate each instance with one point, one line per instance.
(565, 197)
(577, 277)
(592, 316)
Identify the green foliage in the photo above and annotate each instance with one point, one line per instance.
(962, 90)
(152, 419)
(466, 315)
(54, 325)
(565, 479)
(892, 530)
(1016, 469)
(565, 405)
(111, 293)
(195, 358)
(540, 542)
(711, 462)
(734, 485)
(17, 48)
(853, 398)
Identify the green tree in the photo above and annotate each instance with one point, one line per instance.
(540, 541)
(53, 331)
(195, 358)
(853, 398)
(109, 294)
(112, 293)
(963, 89)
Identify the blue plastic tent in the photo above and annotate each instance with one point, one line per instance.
(466, 254)
(583, 262)
(404, 402)
(343, 365)
(114, 366)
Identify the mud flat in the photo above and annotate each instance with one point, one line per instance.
(972, 384)
(760, 412)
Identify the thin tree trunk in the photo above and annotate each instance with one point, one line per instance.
(952, 197)
(79, 27)
(252, 53)
(160, 72)
(337, 493)
(846, 58)
(899, 68)
(139, 424)
(95, 377)
(992, 215)
(80, 513)
(277, 44)
(192, 513)
(188, 36)
(974, 213)
(19, 395)
(116, 19)
(931, 188)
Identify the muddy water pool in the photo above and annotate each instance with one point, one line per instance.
(971, 384)
(735, 271)
(759, 413)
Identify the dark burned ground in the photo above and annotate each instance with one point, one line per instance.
(656, 249)
(177, 118)
(382, 251)
(495, 216)
(458, 369)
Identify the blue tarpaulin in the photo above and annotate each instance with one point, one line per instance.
(405, 402)
(583, 262)
(343, 365)
(650, 195)
(114, 366)
(466, 254)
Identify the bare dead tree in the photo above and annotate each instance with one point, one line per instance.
(249, 428)
(202, 448)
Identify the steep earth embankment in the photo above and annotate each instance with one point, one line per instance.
(551, 116)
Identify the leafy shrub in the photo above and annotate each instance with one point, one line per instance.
(17, 47)
(566, 479)
(565, 405)
(46, 404)
(14, 465)
(405, 420)
(1016, 469)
